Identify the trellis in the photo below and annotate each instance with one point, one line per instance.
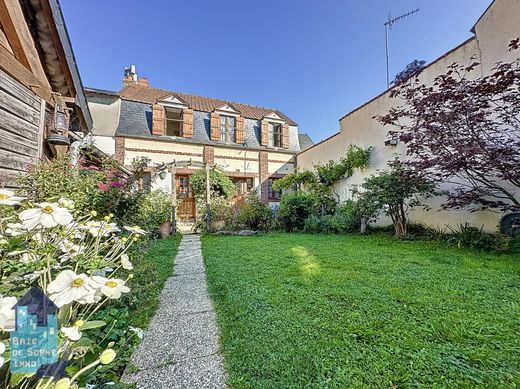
(172, 167)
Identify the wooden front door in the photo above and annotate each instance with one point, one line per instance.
(186, 200)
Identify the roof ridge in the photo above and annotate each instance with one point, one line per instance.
(200, 96)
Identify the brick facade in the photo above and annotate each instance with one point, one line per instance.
(263, 164)
(120, 149)
(209, 155)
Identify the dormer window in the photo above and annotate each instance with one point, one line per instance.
(275, 135)
(174, 122)
(227, 128)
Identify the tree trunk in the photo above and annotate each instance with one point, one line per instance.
(363, 228)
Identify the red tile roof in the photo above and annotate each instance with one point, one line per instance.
(135, 92)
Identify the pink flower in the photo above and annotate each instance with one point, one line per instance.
(102, 187)
(93, 167)
(116, 184)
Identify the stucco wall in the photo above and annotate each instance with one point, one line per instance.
(105, 113)
(494, 30)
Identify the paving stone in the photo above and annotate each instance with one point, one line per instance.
(175, 338)
(201, 373)
(180, 348)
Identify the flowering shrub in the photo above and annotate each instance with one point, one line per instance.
(155, 209)
(79, 261)
(103, 189)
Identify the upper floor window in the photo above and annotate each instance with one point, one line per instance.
(275, 135)
(227, 128)
(174, 121)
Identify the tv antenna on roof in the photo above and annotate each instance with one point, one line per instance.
(388, 26)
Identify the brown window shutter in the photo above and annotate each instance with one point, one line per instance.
(158, 120)
(215, 126)
(187, 123)
(264, 141)
(285, 135)
(239, 134)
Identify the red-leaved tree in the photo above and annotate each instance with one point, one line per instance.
(464, 130)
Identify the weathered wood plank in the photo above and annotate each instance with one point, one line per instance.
(12, 67)
(12, 36)
(11, 123)
(17, 144)
(4, 42)
(10, 160)
(16, 89)
(26, 40)
(18, 107)
(8, 178)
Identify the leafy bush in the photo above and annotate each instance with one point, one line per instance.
(313, 225)
(220, 211)
(81, 262)
(220, 184)
(348, 217)
(154, 210)
(345, 220)
(294, 209)
(102, 189)
(475, 238)
(395, 192)
(254, 214)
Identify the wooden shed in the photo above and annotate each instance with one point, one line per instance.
(42, 102)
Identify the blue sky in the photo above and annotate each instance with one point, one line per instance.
(313, 60)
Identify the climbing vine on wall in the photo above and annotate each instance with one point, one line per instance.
(320, 181)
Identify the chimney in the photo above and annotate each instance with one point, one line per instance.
(130, 77)
(143, 82)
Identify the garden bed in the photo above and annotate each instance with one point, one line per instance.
(363, 311)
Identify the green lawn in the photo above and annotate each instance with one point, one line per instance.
(363, 311)
(151, 271)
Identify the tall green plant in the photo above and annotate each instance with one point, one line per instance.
(220, 184)
(394, 193)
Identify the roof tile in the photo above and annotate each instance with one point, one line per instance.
(135, 92)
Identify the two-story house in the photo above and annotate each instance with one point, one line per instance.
(253, 145)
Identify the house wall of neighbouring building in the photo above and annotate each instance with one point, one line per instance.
(494, 30)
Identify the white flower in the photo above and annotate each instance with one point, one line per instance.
(68, 287)
(28, 258)
(93, 297)
(72, 333)
(135, 230)
(34, 275)
(47, 214)
(112, 288)
(66, 203)
(138, 331)
(125, 262)
(103, 229)
(14, 229)
(7, 197)
(7, 313)
(70, 248)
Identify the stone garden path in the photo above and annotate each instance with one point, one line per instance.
(180, 348)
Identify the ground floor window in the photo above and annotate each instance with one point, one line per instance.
(272, 193)
(243, 185)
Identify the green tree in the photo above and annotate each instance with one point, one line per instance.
(394, 193)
